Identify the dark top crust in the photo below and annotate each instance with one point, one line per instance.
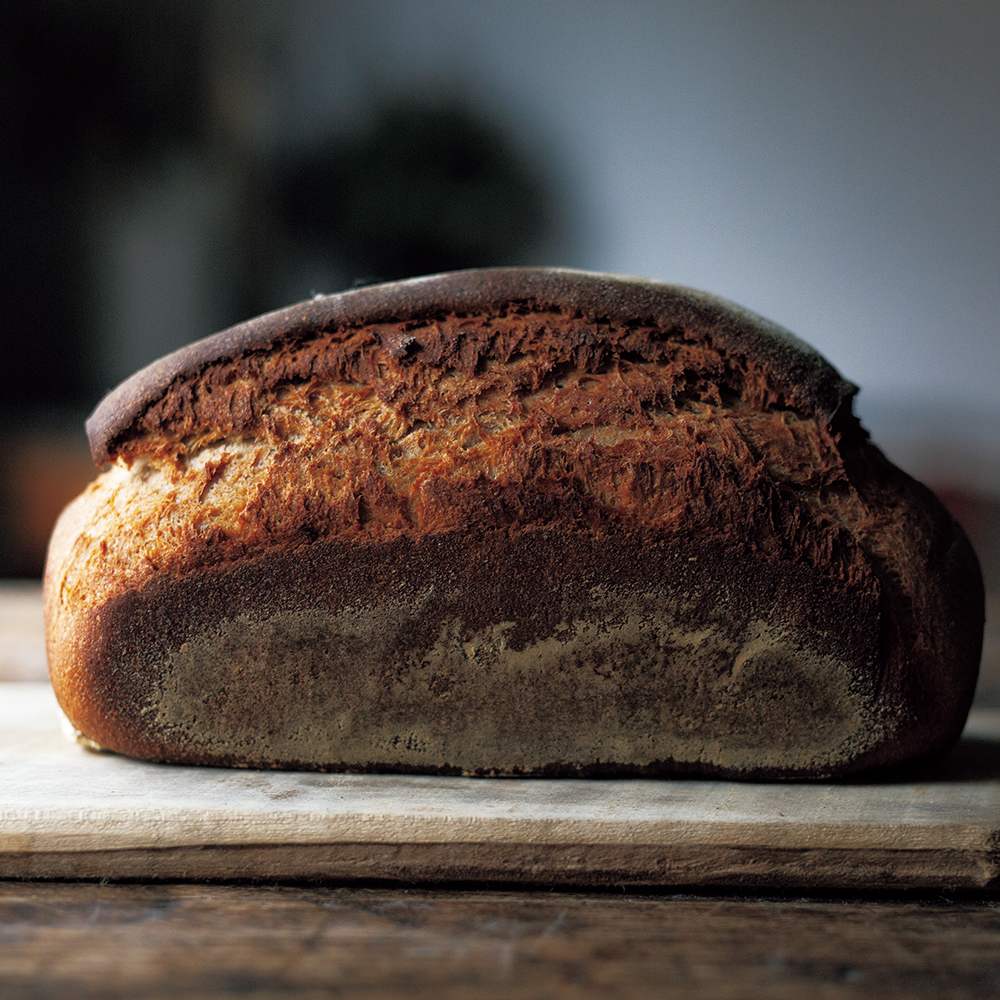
(805, 380)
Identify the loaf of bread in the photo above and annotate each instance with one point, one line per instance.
(507, 522)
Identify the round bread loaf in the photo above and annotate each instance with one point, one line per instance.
(507, 522)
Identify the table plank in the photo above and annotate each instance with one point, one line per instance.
(68, 812)
(197, 941)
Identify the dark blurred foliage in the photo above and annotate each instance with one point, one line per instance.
(86, 90)
(418, 187)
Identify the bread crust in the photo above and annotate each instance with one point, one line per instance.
(606, 301)
(508, 522)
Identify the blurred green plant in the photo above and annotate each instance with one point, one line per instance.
(419, 186)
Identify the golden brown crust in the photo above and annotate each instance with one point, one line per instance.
(474, 503)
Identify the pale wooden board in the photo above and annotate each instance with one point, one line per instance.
(69, 812)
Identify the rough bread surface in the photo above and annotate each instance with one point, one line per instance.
(508, 522)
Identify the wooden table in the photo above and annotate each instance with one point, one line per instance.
(183, 940)
(917, 928)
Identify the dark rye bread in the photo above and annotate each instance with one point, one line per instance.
(525, 521)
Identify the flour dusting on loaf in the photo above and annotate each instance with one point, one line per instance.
(520, 521)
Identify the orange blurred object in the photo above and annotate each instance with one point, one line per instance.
(41, 472)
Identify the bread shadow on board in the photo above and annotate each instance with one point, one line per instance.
(972, 759)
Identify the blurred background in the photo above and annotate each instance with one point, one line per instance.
(170, 167)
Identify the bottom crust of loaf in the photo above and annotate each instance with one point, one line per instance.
(542, 653)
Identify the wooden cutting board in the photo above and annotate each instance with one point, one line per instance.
(68, 812)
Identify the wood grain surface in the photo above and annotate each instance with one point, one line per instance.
(190, 941)
(69, 812)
